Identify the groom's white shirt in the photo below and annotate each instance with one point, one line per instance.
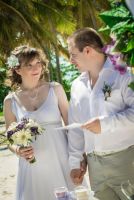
(116, 114)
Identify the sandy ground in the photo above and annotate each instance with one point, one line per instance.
(8, 175)
(8, 171)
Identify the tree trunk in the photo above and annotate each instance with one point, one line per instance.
(49, 64)
(58, 65)
(92, 14)
(80, 14)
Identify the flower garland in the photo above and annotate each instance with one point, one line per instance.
(120, 26)
(115, 57)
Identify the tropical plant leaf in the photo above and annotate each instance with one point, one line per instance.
(105, 30)
(131, 85)
(130, 45)
(123, 27)
(132, 59)
(114, 16)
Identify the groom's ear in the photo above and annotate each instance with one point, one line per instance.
(87, 49)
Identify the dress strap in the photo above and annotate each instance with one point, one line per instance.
(15, 98)
(53, 84)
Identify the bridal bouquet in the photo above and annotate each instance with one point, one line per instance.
(22, 133)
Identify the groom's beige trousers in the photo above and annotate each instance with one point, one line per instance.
(107, 172)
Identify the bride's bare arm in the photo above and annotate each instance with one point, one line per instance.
(62, 102)
(27, 153)
(8, 114)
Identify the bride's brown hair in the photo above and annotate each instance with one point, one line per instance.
(25, 54)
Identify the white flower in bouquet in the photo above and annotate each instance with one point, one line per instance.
(22, 137)
(23, 133)
(12, 126)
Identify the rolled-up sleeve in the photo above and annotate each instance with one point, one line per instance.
(75, 136)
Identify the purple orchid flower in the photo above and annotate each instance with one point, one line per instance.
(9, 134)
(121, 69)
(34, 130)
(20, 126)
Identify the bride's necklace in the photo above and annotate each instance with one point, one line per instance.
(34, 95)
(31, 94)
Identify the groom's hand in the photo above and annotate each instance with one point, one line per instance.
(83, 166)
(77, 176)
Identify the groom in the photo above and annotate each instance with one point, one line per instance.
(102, 101)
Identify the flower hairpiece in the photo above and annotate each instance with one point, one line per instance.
(12, 62)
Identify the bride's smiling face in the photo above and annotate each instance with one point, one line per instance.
(31, 70)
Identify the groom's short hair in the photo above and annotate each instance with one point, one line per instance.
(87, 37)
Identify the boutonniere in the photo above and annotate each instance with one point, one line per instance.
(106, 90)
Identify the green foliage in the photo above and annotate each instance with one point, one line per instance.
(119, 21)
(1, 113)
(69, 73)
(115, 15)
(3, 88)
(131, 85)
(2, 75)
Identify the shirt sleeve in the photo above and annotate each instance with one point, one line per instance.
(75, 136)
(122, 119)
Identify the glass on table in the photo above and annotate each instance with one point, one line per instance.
(61, 193)
(128, 189)
(82, 193)
(72, 195)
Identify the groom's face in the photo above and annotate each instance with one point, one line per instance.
(78, 58)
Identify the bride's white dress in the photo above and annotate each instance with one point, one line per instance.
(51, 170)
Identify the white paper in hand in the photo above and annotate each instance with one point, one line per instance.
(71, 126)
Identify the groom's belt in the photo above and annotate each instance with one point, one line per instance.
(105, 153)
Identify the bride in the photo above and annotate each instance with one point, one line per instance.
(46, 103)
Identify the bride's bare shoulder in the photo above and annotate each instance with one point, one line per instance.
(54, 84)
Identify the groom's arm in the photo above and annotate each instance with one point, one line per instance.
(75, 145)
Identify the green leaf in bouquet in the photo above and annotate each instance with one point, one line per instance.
(3, 140)
(30, 140)
(115, 16)
(33, 160)
(11, 141)
(131, 85)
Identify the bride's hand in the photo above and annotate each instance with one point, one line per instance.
(25, 152)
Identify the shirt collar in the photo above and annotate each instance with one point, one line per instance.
(108, 66)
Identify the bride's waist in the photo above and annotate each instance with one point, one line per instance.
(51, 123)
